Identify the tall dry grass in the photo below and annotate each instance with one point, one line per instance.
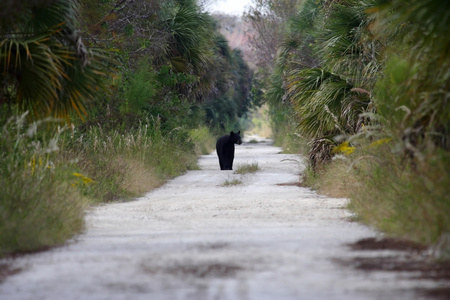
(124, 164)
(410, 201)
(335, 179)
(387, 192)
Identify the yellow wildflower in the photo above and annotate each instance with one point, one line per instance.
(380, 142)
(85, 180)
(33, 164)
(343, 148)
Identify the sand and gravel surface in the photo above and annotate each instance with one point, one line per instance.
(195, 238)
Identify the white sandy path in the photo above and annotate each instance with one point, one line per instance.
(195, 239)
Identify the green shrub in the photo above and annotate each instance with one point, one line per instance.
(140, 89)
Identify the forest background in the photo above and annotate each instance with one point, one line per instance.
(104, 100)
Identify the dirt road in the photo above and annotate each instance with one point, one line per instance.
(197, 239)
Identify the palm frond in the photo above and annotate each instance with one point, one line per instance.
(320, 151)
(346, 44)
(325, 102)
(50, 72)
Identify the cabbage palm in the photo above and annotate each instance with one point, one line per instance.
(346, 44)
(190, 42)
(189, 48)
(44, 65)
(296, 46)
(323, 102)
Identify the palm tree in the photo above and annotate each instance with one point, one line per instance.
(45, 67)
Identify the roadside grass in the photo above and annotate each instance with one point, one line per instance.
(404, 202)
(50, 175)
(289, 140)
(126, 164)
(247, 168)
(43, 213)
(39, 203)
(335, 179)
(385, 193)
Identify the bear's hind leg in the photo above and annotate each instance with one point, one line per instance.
(228, 164)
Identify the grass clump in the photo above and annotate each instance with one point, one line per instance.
(232, 182)
(247, 168)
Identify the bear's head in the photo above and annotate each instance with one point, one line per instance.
(236, 137)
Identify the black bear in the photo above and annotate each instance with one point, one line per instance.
(225, 149)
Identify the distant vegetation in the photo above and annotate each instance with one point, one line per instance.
(365, 85)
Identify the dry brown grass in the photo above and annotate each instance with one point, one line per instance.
(402, 202)
(334, 179)
(139, 178)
